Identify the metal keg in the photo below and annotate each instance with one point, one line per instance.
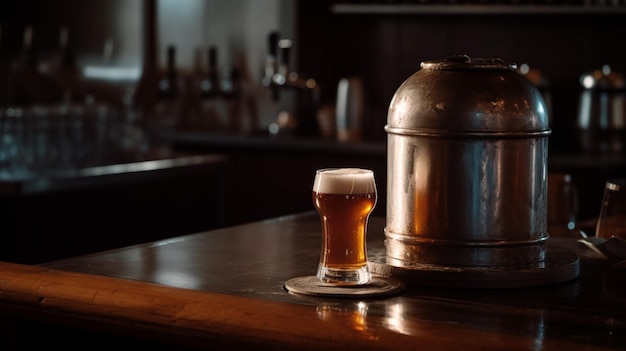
(467, 167)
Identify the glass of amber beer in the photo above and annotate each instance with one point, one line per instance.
(344, 199)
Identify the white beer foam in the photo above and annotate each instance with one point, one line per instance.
(344, 181)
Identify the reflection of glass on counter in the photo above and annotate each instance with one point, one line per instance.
(394, 319)
(351, 314)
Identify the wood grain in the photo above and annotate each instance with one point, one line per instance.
(196, 318)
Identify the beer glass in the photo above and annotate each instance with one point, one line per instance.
(344, 199)
(612, 219)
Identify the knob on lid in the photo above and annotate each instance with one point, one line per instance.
(467, 62)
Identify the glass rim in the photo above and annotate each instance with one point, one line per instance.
(616, 184)
(344, 180)
(363, 170)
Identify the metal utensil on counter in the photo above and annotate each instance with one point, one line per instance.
(613, 249)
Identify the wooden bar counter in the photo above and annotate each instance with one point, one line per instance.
(223, 289)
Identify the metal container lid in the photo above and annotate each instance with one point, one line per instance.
(466, 96)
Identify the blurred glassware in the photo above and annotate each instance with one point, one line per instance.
(326, 119)
(601, 121)
(612, 218)
(25, 84)
(52, 140)
(350, 109)
(562, 206)
(12, 135)
(65, 73)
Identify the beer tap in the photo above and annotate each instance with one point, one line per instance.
(270, 65)
(280, 78)
(279, 75)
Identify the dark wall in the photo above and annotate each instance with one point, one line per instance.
(89, 23)
(385, 49)
(287, 183)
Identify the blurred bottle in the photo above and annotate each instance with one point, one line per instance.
(26, 85)
(65, 72)
(4, 68)
(231, 90)
(210, 84)
(168, 85)
(145, 94)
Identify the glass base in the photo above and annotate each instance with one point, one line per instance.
(344, 276)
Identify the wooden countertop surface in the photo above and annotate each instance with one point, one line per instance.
(224, 288)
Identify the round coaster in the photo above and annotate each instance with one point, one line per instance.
(378, 286)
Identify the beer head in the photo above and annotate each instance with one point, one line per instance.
(344, 181)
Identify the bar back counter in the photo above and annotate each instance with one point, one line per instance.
(284, 167)
(54, 216)
(223, 289)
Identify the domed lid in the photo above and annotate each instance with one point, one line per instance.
(465, 96)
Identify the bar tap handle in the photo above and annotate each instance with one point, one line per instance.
(273, 45)
(282, 77)
(271, 65)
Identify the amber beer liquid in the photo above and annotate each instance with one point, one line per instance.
(344, 199)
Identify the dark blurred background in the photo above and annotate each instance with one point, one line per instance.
(132, 81)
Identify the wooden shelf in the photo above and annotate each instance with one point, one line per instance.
(476, 9)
